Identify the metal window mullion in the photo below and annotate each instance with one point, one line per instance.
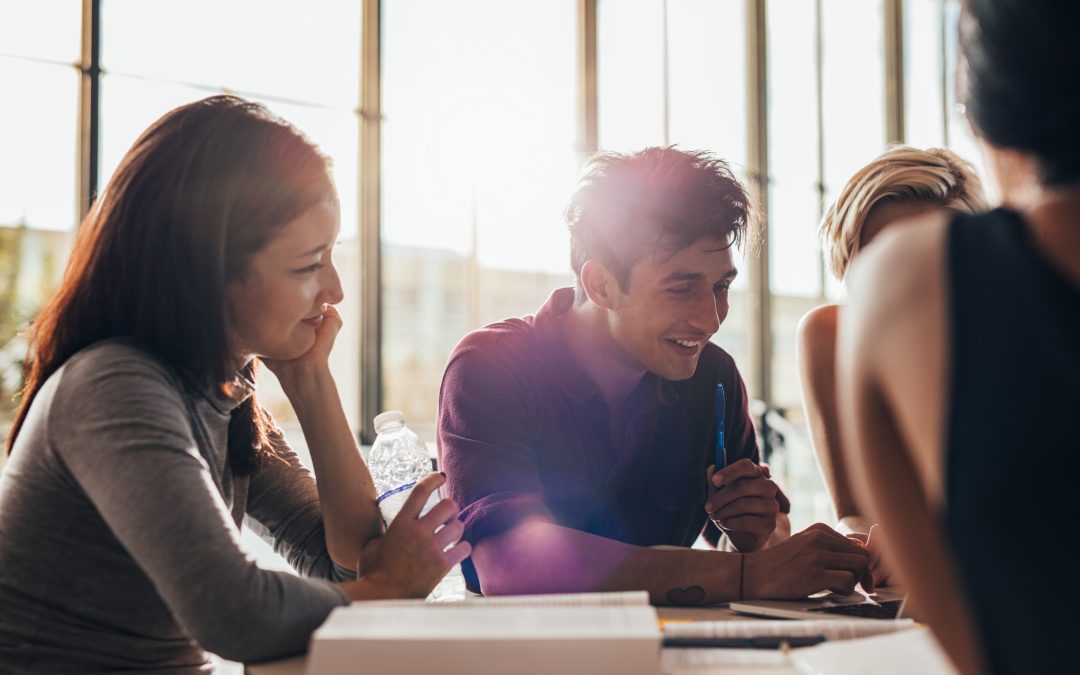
(819, 107)
(894, 71)
(89, 105)
(588, 126)
(370, 120)
(758, 174)
(665, 70)
(944, 46)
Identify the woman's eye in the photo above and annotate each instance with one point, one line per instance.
(310, 268)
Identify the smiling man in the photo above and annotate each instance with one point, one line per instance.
(579, 439)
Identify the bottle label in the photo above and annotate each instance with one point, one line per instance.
(391, 493)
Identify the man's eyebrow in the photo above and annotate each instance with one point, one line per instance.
(683, 276)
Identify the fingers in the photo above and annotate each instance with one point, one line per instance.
(449, 534)
(459, 552)
(746, 508)
(762, 489)
(743, 468)
(842, 582)
(751, 524)
(439, 515)
(420, 494)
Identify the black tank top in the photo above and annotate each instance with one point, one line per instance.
(1013, 442)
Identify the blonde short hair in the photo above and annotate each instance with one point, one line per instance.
(902, 174)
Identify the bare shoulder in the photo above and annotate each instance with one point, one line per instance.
(818, 326)
(900, 271)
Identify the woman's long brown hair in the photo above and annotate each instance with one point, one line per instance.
(203, 189)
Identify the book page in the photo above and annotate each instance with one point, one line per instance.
(914, 651)
(468, 621)
(832, 630)
(613, 599)
(675, 661)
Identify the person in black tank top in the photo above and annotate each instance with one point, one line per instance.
(1012, 411)
(959, 362)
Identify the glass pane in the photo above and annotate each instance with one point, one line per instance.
(630, 73)
(42, 29)
(707, 58)
(961, 140)
(303, 51)
(38, 203)
(924, 105)
(853, 83)
(128, 107)
(39, 144)
(794, 207)
(473, 187)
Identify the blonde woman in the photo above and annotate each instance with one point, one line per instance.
(900, 184)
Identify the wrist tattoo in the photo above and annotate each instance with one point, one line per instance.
(691, 595)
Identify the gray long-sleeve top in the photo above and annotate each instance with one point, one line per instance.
(119, 533)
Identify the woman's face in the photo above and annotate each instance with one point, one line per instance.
(276, 308)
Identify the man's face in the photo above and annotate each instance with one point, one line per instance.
(672, 306)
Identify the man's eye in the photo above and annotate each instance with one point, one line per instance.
(722, 287)
(681, 290)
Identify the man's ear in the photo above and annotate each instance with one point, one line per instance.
(599, 283)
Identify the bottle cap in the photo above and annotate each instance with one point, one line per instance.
(385, 419)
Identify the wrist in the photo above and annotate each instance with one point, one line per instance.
(302, 384)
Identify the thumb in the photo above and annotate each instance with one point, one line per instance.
(420, 494)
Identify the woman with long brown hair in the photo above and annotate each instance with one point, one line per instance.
(139, 447)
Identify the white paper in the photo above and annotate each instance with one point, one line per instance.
(831, 629)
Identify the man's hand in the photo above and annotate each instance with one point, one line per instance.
(416, 551)
(816, 559)
(742, 501)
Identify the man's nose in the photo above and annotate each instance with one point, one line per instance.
(707, 314)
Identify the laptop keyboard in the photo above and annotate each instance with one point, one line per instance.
(885, 610)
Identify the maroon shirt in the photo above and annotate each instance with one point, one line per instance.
(523, 432)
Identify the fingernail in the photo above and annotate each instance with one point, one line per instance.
(443, 474)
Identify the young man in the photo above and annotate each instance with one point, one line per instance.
(579, 439)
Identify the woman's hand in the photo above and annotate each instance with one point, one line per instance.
(314, 360)
(417, 551)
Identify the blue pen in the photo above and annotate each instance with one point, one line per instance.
(721, 452)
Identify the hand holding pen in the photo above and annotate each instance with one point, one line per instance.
(742, 499)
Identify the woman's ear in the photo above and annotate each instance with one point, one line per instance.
(598, 283)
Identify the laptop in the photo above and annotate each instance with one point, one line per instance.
(885, 603)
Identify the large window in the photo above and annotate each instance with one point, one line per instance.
(479, 158)
(39, 153)
(481, 122)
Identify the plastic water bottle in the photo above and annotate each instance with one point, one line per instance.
(398, 459)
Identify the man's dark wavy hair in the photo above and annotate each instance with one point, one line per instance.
(654, 201)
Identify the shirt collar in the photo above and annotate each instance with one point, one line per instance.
(569, 374)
